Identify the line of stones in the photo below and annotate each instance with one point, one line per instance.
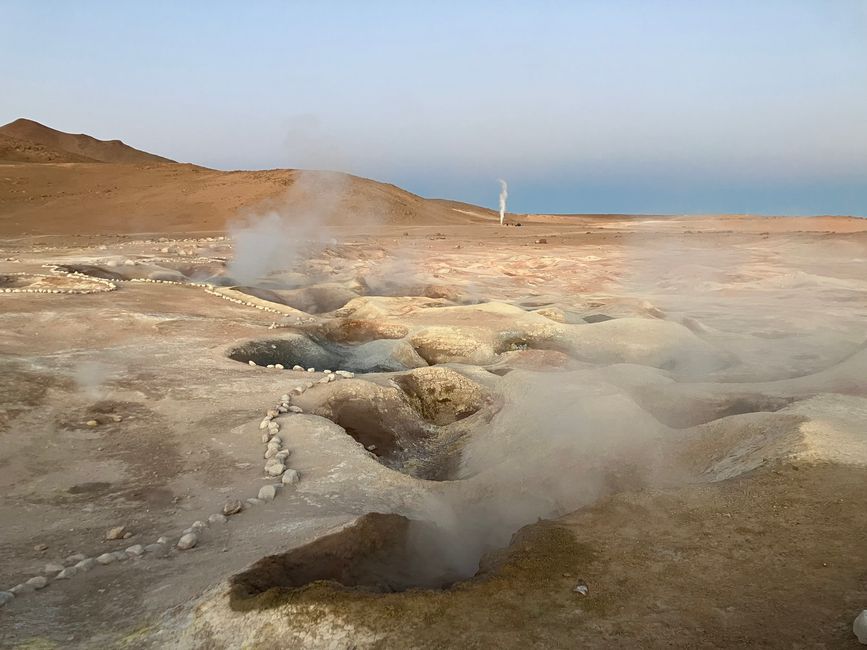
(109, 286)
(275, 466)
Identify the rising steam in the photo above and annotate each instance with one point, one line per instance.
(504, 194)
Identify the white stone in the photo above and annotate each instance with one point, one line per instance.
(253, 501)
(345, 373)
(295, 409)
(267, 493)
(264, 423)
(37, 582)
(283, 454)
(311, 370)
(188, 541)
(199, 524)
(163, 540)
(217, 518)
(297, 368)
(279, 366)
(156, 549)
(53, 568)
(251, 362)
(67, 573)
(298, 390)
(327, 372)
(86, 564)
(275, 467)
(136, 550)
(290, 477)
(106, 558)
(859, 627)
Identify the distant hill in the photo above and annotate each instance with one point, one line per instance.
(28, 141)
(25, 151)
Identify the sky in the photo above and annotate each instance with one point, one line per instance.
(608, 106)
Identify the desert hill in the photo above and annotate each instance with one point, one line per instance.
(77, 147)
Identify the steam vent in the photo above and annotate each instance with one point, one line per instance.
(577, 370)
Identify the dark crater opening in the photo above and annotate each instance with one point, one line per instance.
(93, 271)
(414, 428)
(379, 553)
(319, 353)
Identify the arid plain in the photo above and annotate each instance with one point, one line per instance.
(304, 409)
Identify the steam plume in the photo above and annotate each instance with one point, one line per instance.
(504, 194)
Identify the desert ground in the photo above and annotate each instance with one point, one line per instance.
(303, 409)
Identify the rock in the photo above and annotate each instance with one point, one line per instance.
(298, 390)
(116, 533)
(311, 370)
(266, 437)
(278, 366)
(284, 398)
(271, 452)
(272, 413)
(37, 582)
(163, 540)
(267, 493)
(53, 568)
(75, 558)
(92, 423)
(275, 467)
(127, 535)
(324, 380)
(188, 541)
(283, 454)
(157, 550)
(270, 366)
(67, 573)
(5, 597)
(282, 408)
(295, 409)
(345, 373)
(264, 423)
(232, 507)
(276, 440)
(327, 372)
(106, 558)
(297, 368)
(859, 627)
(136, 550)
(40, 547)
(290, 477)
(23, 588)
(251, 362)
(581, 588)
(309, 385)
(253, 501)
(217, 518)
(86, 564)
(121, 556)
(199, 524)
(273, 427)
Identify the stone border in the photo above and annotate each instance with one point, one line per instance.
(275, 467)
(110, 286)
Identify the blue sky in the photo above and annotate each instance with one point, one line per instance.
(608, 106)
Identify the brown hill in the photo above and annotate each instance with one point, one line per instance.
(77, 147)
(16, 150)
(101, 198)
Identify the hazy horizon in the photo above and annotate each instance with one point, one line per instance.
(603, 107)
